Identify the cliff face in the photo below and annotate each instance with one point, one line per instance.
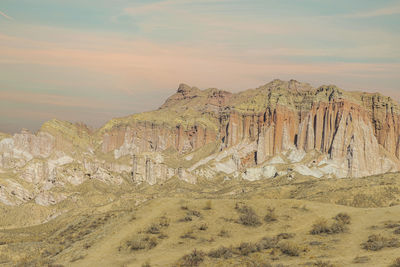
(321, 132)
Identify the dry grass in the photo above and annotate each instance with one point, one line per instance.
(193, 259)
(270, 216)
(377, 242)
(291, 249)
(396, 263)
(322, 226)
(248, 216)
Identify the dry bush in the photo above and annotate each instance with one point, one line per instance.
(192, 259)
(188, 235)
(391, 225)
(141, 242)
(153, 229)
(397, 231)
(221, 252)
(248, 216)
(378, 242)
(208, 205)
(396, 263)
(285, 236)
(291, 249)
(337, 227)
(193, 213)
(361, 259)
(323, 264)
(270, 216)
(164, 221)
(267, 243)
(246, 248)
(224, 233)
(343, 218)
(146, 264)
(203, 227)
(186, 219)
(321, 226)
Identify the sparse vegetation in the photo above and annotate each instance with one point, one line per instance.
(396, 263)
(378, 242)
(208, 205)
(224, 233)
(221, 252)
(343, 218)
(322, 226)
(321, 263)
(291, 249)
(192, 259)
(245, 248)
(248, 216)
(188, 235)
(203, 227)
(361, 259)
(141, 243)
(270, 216)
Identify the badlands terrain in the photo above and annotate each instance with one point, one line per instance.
(281, 175)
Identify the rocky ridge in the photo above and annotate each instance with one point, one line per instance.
(284, 128)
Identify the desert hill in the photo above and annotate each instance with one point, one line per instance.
(269, 165)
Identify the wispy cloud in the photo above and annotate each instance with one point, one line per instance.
(386, 11)
(6, 16)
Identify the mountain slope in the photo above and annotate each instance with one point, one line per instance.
(281, 129)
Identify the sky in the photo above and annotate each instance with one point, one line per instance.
(93, 60)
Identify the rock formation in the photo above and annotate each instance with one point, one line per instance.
(320, 132)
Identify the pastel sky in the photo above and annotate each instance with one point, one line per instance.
(92, 60)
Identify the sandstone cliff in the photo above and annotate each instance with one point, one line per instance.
(282, 128)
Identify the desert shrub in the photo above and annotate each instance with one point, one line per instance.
(208, 205)
(146, 264)
(224, 233)
(378, 242)
(164, 221)
(291, 249)
(248, 216)
(361, 259)
(397, 231)
(396, 263)
(162, 236)
(285, 236)
(192, 259)
(267, 243)
(343, 218)
(245, 248)
(141, 242)
(193, 213)
(153, 229)
(187, 219)
(184, 207)
(188, 235)
(321, 226)
(337, 227)
(221, 252)
(203, 227)
(271, 215)
(323, 264)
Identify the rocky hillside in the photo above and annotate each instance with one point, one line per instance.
(283, 128)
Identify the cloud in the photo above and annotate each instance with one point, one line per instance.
(5, 15)
(386, 11)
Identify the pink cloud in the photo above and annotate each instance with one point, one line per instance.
(5, 15)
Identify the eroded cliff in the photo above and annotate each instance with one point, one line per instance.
(282, 128)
